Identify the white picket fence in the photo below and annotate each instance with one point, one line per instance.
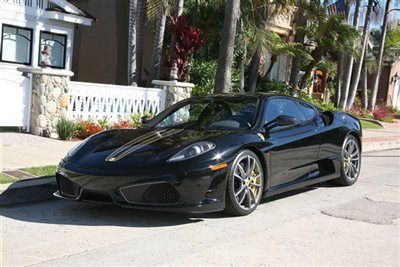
(99, 101)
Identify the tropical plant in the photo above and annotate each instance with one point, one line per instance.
(225, 57)
(374, 93)
(328, 35)
(132, 42)
(86, 128)
(188, 40)
(202, 74)
(347, 65)
(65, 128)
(158, 11)
(358, 67)
(140, 27)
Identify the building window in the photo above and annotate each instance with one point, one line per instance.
(54, 45)
(16, 44)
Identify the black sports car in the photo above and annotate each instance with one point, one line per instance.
(212, 153)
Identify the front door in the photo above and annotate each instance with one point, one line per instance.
(294, 149)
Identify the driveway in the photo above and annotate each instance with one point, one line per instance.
(356, 225)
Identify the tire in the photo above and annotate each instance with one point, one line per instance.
(245, 185)
(350, 162)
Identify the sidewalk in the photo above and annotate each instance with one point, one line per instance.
(21, 150)
(381, 139)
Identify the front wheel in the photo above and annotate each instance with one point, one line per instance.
(245, 184)
(351, 162)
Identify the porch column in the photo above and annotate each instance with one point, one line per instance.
(174, 91)
(49, 99)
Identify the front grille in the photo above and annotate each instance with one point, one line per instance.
(157, 193)
(67, 187)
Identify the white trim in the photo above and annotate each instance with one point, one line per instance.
(71, 18)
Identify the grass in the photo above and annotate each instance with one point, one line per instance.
(5, 179)
(43, 171)
(369, 125)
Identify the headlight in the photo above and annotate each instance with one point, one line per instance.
(193, 151)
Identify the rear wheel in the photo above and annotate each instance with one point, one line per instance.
(245, 184)
(351, 161)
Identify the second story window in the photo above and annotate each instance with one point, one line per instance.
(53, 45)
(16, 44)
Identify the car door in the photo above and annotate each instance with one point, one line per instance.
(294, 148)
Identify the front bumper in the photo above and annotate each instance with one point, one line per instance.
(190, 191)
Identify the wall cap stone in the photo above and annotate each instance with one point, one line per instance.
(172, 83)
(46, 71)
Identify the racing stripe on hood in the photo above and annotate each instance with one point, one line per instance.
(140, 142)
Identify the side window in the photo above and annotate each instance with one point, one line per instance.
(277, 107)
(308, 111)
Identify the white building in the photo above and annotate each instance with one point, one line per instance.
(28, 29)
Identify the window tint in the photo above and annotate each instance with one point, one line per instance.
(277, 107)
(53, 45)
(308, 111)
(16, 44)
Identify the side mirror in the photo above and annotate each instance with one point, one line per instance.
(282, 120)
(144, 120)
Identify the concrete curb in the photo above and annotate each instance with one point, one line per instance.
(27, 191)
(380, 145)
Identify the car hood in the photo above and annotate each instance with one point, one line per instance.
(137, 149)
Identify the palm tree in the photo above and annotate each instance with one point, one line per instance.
(372, 100)
(161, 18)
(300, 24)
(132, 43)
(225, 57)
(329, 34)
(140, 27)
(358, 67)
(348, 63)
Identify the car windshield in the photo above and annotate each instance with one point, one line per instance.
(209, 113)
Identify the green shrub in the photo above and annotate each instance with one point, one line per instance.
(65, 128)
(202, 74)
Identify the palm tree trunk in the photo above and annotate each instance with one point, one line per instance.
(242, 57)
(132, 43)
(317, 55)
(225, 57)
(299, 38)
(178, 12)
(349, 63)
(254, 68)
(274, 59)
(158, 45)
(358, 67)
(339, 78)
(364, 88)
(375, 87)
(140, 26)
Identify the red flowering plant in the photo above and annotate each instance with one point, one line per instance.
(86, 128)
(122, 123)
(383, 113)
(188, 39)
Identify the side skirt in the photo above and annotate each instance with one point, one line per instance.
(297, 184)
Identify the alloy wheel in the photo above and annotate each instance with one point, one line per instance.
(351, 159)
(247, 185)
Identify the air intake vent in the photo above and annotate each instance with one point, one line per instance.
(158, 193)
(67, 187)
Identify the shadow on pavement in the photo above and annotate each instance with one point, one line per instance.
(78, 213)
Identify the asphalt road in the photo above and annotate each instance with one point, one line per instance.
(356, 225)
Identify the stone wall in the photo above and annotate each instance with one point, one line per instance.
(49, 99)
(174, 91)
(49, 102)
